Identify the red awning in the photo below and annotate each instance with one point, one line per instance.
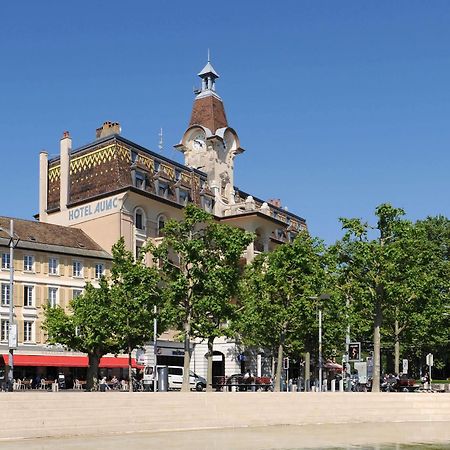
(68, 361)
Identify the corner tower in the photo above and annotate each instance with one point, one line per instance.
(209, 144)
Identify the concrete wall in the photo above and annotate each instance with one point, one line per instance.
(39, 414)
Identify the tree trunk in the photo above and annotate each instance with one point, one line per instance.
(130, 371)
(92, 372)
(377, 347)
(307, 371)
(186, 387)
(397, 348)
(277, 387)
(209, 380)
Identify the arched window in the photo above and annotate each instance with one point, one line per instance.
(160, 224)
(139, 219)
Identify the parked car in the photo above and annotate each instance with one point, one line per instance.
(175, 375)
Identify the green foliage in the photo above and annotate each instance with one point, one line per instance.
(134, 294)
(279, 296)
(115, 317)
(199, 262)
(87, 326)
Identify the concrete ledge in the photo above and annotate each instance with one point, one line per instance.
(47, 414)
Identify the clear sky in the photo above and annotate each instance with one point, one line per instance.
(340, 105)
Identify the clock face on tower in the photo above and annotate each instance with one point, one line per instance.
(198, 140)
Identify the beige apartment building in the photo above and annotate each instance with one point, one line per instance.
(52, 265)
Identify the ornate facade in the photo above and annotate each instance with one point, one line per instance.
(114, 187)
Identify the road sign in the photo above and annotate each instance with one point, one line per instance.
(12, 337)
(285, 363)
(354, 351)
(430, 359)
(405, 366)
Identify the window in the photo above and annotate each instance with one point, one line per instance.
(163, 189)
(77, 269)
(6, 261)
(99, 270)
(175, 371)
(4, 330)
(139, 220)
(5, 294)
(138, 250)
(76, 293)
(28, 263)
(52, 296)
(140, 180)
(28, 295)
(53, 266)
(161, 224)
(27, 331)
(184, 197)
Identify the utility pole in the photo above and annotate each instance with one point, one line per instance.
(12, 331)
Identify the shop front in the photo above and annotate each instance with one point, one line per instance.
(53, 367)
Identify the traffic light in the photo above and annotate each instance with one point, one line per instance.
(354, 351)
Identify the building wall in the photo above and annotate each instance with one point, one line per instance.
(40, 280)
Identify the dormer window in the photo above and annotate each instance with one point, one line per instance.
(134, 156)
(163, 189)
(184, 197)
(140, 180)
(157, 166)
(207, 203)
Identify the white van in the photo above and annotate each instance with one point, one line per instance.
(175, 374)
(176, 379)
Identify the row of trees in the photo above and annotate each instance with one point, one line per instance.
(389, 282)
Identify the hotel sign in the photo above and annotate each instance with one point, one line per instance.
(93, 209)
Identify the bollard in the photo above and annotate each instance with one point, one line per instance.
(341, 385)
(333, 385)
(324, 386)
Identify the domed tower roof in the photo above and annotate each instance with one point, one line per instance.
(208, 109)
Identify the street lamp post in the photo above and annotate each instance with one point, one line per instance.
(12, 332)
(155, 346)
(320, 298)
(320, 348)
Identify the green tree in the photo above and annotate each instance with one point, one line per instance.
(199, 262)
(278, 297)
(113, 318)
(87, 327)
(135, 292)
(374, 266)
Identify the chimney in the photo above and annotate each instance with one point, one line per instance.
(275, 202)
(43, 185)
(107, 129)
(64, 159)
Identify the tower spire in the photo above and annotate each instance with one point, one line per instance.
(208, 76)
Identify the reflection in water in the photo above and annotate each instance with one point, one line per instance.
(362, 436)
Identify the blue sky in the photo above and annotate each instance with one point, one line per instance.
(340, 105)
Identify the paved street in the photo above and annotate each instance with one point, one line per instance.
(259, 438)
